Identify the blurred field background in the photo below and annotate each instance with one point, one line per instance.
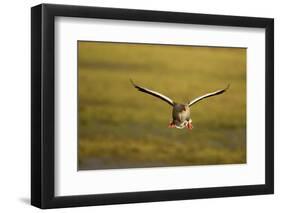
(120, 127)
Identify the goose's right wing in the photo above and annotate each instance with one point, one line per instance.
(218, 92)
(153, 93)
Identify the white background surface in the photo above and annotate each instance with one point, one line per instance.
(70, 182)
(15, 107)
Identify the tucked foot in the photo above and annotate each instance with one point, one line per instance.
(189, 125)
(171, 125)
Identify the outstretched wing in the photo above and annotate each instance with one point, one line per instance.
(218, 92)
(153, 93)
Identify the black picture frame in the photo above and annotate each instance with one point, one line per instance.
(43, 102)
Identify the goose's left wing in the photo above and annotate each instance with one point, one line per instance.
(218, 92)
(153, 93)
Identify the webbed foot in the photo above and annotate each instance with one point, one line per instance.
(171, 125)
(189, 125)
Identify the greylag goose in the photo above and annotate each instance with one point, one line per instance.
(181, 112)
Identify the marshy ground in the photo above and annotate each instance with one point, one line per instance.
(120, 127)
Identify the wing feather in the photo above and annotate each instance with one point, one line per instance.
(153, 93)
(218, 92)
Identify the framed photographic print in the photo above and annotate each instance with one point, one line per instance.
(140, 106)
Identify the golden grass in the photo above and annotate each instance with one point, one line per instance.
(121, 127)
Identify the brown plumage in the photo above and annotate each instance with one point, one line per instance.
(180, 112)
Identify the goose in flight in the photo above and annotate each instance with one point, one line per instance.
(181, 112)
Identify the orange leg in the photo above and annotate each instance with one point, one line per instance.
(189, 125)
(171, 125)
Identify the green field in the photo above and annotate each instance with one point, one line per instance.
(120, 127)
